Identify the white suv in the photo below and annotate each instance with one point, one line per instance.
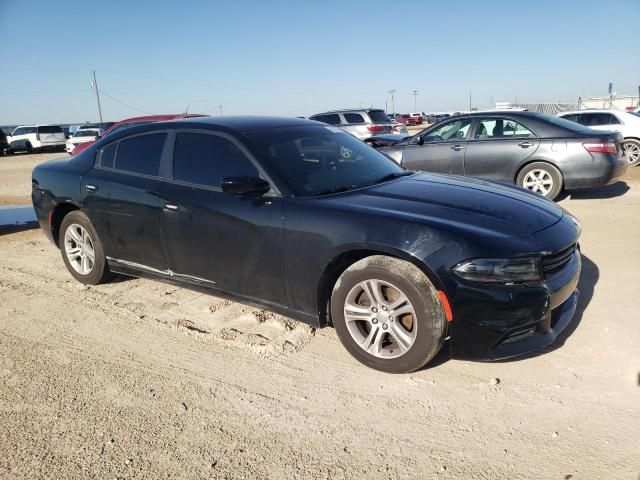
(83, 134)
(627, 123)
(38, 137)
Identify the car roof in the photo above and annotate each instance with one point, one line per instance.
(343, 110)
(247, 123)
(590, 110)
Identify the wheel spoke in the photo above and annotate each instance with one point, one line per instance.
(402, 311)
(77, 237)
(373, 342)
(402, 337)
(373, 290)
(402, 300)
(90, 251)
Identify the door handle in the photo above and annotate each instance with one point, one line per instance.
(457, 148)
(170, 207)
(525, 144)
(91, 188)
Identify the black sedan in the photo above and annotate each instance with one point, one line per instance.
(539, 152)
(307, 221)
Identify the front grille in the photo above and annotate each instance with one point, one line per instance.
(554, 262)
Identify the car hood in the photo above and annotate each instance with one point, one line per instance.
(456, 203)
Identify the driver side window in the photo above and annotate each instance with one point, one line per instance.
(449, 132)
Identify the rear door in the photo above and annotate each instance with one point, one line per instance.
(233, 242)
(121, 199)
(498, 145)
(442, 150)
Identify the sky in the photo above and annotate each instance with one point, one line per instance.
(298, 58)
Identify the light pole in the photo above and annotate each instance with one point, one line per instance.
(415, 99)
(393, 104)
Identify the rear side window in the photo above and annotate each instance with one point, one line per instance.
(354, 118)
(206, 159)
(50, 129)
(108, 155)
(573, 118)
(331, 119)
(378, 116)
(598, 119)
(141, 154)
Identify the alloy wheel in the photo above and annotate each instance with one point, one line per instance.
(632, 152)
(380, 318)
(539, 181)
(79, 249)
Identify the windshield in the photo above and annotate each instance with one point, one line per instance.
(50, 129)
(321, 160)
(378, 116)
(564, 123)
(86, 133)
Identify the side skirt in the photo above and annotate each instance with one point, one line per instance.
(204, 286)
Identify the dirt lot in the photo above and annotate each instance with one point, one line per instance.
(15, 176)
(138, 379)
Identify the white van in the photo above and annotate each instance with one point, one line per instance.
(38, 137)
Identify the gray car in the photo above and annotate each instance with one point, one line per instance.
(536, 151)
(361, 123)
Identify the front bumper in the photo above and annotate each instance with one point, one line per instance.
(509, 320)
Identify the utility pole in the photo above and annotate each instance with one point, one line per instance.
(220, 107)
(94, 84)
(469, 100)
(393, 104)
(415, 99)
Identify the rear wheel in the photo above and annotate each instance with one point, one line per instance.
(542, 178)
(81, 250)
(388, 315)
(632, 151)
(28, 147)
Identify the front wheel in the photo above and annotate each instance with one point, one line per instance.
(632, 151)
(542, 178)
(388, 315)
(81, 250)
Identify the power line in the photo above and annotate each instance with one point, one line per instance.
(124, 103)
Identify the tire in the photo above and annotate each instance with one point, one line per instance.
(542, 178)
(632, 151)
(71, 239)
(28, 147)
(419, 320)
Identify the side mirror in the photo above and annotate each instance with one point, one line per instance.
(419, 140)
(244, 186)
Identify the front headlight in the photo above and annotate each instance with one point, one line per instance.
(500, 270)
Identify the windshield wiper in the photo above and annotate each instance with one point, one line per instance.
(391, 176)
(344, 188)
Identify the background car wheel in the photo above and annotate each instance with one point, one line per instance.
(542, 178)
(632, 151)
(388, 315)
(81, 250)
(28, 147)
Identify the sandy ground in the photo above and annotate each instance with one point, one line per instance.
(15, 176)
(138, 379)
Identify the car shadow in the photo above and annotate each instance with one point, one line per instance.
(586, 285)
(607, 191)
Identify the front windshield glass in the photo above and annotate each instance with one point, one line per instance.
(322, 160)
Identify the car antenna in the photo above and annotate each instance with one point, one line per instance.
(186, 110)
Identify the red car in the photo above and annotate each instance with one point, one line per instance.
(132, 122)
(407, 119)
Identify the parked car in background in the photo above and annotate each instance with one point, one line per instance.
(361, 123)
(34, 138)
(4, 144)
(406, 119)
(397, 127)
(82, 135)
(542, 153)
(132, 122)
(626, 123)
(396, 261)
(418, 117)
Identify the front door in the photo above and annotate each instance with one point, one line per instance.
(120, 198)
(441, 149)
(232, 242)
